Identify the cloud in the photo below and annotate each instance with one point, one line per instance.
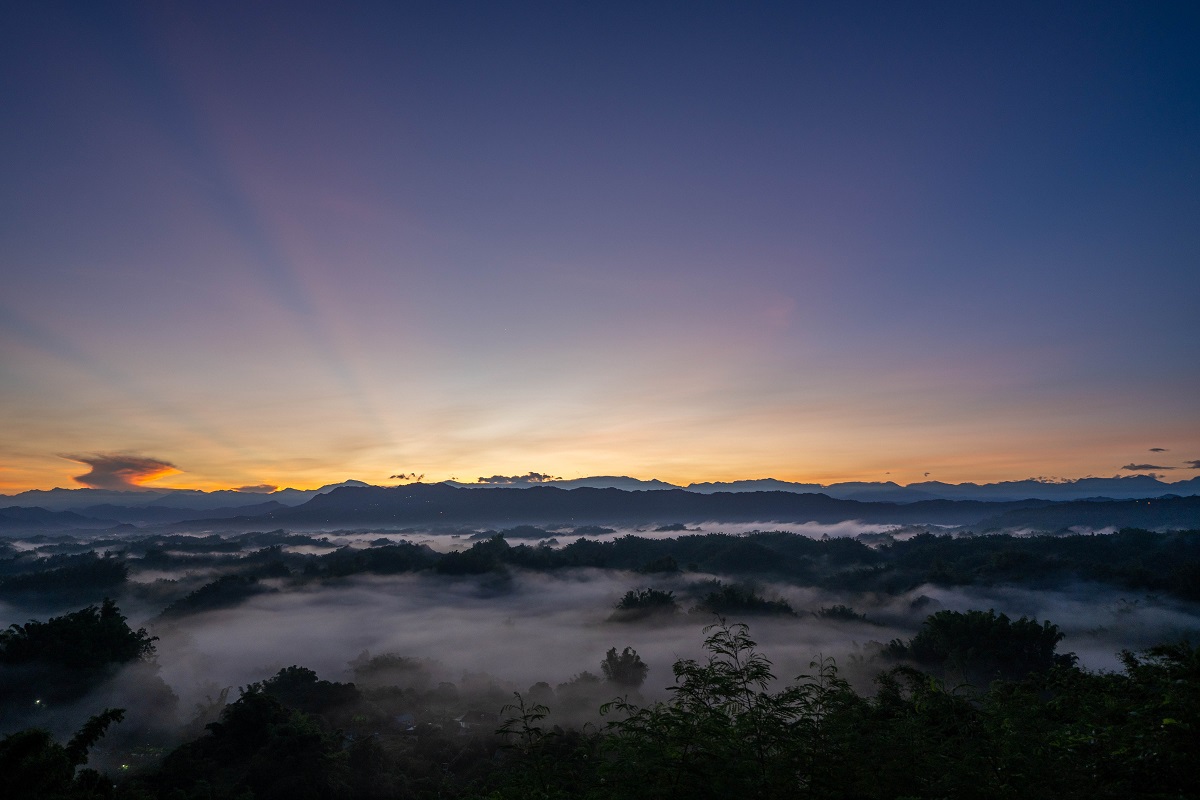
(1141, 467)
(407, 476)
(1193, 464)
(550, 626)
(119, 471)
(1158, 449)
(261, 488)
(532, 477)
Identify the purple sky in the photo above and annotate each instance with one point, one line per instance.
(290, 243)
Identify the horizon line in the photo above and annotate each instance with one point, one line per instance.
(523, 481)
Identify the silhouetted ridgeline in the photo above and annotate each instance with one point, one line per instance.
(432, 504)
(1162, 512)
(154, 513)
(1136, 501)
(21, 518)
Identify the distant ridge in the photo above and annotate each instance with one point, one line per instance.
(594, 482)
(547, 506)
(22, 518)
(756, 485)
(192, 500)
(168, 506)
(1179, 513)
(437, 505)
(425, 504)
(1130, 487)
(156, 514)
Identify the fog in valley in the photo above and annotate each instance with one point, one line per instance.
(506, 630)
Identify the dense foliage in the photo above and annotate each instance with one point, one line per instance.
(1036, 727)
(639, 604)
(740, 601)
(625, 669)
(66, 576)
(887, 564)
(979, 647)
(33, 765)
(975, 704)
(65, 657)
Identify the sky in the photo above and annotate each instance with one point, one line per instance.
(290, 243)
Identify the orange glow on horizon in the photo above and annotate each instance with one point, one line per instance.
(163, 472)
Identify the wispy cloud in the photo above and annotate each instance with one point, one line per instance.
(1158, 449)
(1139, 467)
(121, 471)
(1193, 464)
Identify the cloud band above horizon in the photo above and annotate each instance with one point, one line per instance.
(121, 471)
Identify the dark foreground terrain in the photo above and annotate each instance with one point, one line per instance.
(959, 702)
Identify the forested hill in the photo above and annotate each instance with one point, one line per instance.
(425, 504)
(1161, 513)
(436, 503)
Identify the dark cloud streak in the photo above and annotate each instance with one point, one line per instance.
(119, 471)
(532, 477)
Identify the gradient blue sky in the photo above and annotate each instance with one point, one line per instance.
(288, 243)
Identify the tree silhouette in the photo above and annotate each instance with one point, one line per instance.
(982, 646)
(35, 767)
(63, 658)
(642, 603)
(625, 668)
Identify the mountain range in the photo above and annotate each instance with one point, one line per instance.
(1130, 487)
(190, 500)
(1140, 501)
(443, 505)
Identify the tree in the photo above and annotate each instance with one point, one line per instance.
(638, 604)
(742, 600)
(625, 668)
(486, 556)
(86, 639)
(225, 592)
(723, 733)
(35, 767)
(982, 646)
(63, 658)
(260, 746)
(299, 688)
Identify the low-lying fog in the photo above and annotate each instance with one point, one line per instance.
(527, 627)
(551, 626)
